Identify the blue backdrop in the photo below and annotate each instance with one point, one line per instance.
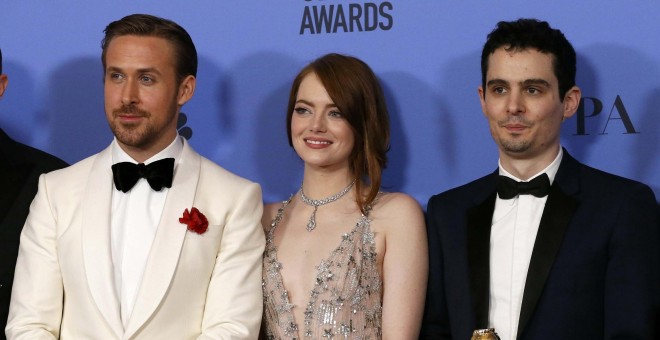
(425, 52)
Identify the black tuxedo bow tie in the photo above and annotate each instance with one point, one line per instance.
(158, 174)
(508, 188)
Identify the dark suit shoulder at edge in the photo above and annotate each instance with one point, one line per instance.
(614, 182)
(480, 187)
(44, 161)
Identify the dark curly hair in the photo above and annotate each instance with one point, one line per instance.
(532, 33)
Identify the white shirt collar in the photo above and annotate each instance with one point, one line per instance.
(550, 170)
(171, 151)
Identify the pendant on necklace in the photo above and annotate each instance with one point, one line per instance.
(316, 203)
(312, 220)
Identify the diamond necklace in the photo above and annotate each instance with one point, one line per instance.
(317, 203)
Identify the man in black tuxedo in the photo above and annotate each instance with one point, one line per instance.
(571, 252)
(20, 167)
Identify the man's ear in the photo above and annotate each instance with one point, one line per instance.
(482, 99)
(571, 101)
(186, 89)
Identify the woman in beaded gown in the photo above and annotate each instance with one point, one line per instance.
(343, 260)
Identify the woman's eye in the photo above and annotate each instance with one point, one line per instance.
(301, 110)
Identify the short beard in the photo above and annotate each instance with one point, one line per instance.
(132, 135)
(515, 146)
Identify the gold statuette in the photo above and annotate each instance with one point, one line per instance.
(485, 334)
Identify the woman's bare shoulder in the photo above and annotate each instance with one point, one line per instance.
(393, 210)
(271, 208)
(396, 203)
(270, 211)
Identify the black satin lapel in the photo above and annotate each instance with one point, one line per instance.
(559, 209)
(479, 221)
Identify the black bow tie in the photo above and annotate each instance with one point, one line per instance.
(508, 188)
(158, 174)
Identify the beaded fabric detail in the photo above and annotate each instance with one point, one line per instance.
(346, 300)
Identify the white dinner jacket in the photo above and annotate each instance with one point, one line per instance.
(204, 286)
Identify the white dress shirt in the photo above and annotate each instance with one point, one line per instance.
(134, 219)
(513, 232)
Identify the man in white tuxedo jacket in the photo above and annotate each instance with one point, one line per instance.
(115, 250)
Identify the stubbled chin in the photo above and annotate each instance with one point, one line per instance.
(128, 134)
(514, 145)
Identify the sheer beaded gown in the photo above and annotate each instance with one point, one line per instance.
(346, 300)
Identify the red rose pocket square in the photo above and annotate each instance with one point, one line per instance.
(195, 220)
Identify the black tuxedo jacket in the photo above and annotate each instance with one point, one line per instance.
(594, 271)
(20, 167)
